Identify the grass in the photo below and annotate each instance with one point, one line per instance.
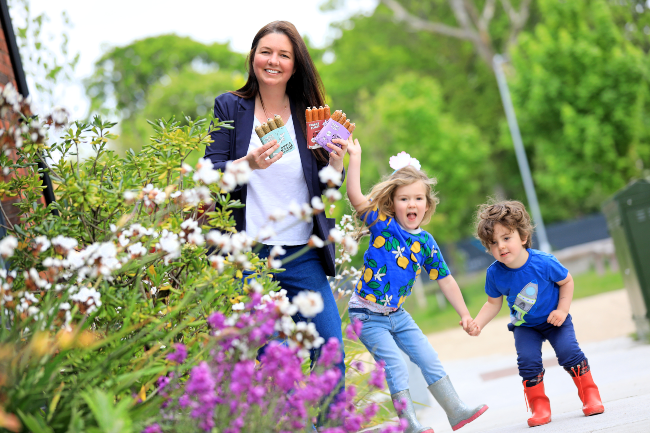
(433, 319)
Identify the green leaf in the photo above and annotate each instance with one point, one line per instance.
(409, 241)
(377, 294)
(382, 270)
(372, 263)
(373, 285)
(415, 267)
(395, 244)
(386, 287)
(386, 234)
(428, 260)
(110, 418)
(387, 245)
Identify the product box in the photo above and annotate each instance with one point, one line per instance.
(274, 129)
(323, 128)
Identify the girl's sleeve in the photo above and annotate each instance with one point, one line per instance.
(434, 263)
(219, 150)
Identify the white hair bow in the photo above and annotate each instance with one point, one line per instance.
(403, 159)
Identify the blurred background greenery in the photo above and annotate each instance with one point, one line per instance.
(578, 74)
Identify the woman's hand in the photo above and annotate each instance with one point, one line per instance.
(337, 154)
(257, 157)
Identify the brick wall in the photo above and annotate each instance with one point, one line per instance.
(6, 76)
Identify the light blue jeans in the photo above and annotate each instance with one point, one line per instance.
(385, 335)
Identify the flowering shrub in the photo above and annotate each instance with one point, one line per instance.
(124, 312)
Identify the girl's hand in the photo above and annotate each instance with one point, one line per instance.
(476, 332)
(257, 157)
(337, 154)
(354, 148)
(468, 324)
(557, 317)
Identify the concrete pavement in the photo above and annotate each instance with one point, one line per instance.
(484, 370)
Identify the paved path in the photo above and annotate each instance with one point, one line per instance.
(484, 370)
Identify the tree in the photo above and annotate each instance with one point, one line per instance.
(581, 93)
(124, 76)
(407, 114)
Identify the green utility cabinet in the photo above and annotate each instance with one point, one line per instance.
(628, 221)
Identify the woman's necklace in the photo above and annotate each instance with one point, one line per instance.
(264, 108)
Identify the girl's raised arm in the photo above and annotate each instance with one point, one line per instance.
(357, 199)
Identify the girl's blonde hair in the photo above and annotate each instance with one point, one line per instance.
(381, 195)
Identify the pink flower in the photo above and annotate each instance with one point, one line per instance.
(179, 355)
(378, 376)
(354, 329)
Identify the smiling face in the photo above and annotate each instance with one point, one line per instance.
(410, 203)
(507, 247)
(273, 63)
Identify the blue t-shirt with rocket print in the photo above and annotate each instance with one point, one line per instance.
(394, 259)
(531, 290)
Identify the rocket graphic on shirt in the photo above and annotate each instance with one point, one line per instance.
(524, 301)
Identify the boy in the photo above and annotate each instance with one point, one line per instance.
(539, 292)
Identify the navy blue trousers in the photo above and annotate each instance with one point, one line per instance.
(529, 339)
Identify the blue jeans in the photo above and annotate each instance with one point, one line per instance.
(306, 273)
(529, 339)
(385, 335)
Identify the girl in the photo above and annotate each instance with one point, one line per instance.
(282, 79)
(399, 250)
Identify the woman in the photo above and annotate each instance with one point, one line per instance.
(282, 80)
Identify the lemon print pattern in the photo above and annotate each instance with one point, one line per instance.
(394, 260)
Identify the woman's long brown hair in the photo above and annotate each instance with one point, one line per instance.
(305, 86)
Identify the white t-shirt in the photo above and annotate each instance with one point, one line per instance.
(274, 188)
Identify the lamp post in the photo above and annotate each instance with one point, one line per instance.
(522, 161)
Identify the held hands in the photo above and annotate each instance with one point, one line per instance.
(337, 154)
(470, 326)
(557, 317)
(257, 157)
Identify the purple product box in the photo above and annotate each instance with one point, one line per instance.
(330, 131)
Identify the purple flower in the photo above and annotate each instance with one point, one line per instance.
(201, 385)
(354, 329)
(330, 353)
(378, 376)
(217, 320)
(153, 428)
(179, 355)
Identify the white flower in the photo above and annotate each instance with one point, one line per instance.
(315, 242)
(169, 243)
(41, 243)
(217, 262)
(239, 306)
(309, 303)
(335, 235)
(196, 238)
(333, 195)
(186, 168)
(278, 215)
(256, 286)
(402, 160)
(205, 172)
(330, 176)
(89, 297)
(66, 244)
(137, 250)
(60, 115)
(228, 182)
(277, 250)
(8, 245)
(160, 198)
(350, 245)
(379, 275)
(317, 204)
(398, 252)
(241, 170)
(130, 196)
(265, 233)
(276, 264)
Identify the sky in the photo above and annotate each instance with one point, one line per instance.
(99, 25)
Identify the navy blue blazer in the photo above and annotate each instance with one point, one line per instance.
(232, 144)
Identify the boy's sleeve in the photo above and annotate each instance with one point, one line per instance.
(490, 285)
(556, 271)
(434, 263)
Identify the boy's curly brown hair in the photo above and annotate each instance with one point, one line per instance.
(509, 213)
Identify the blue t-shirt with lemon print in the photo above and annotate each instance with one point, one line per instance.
(394, 260)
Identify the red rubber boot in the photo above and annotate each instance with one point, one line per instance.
(587, 389)
(539, 403)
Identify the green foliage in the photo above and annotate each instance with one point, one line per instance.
(581, 95)
(407, 115)
(127, 74)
